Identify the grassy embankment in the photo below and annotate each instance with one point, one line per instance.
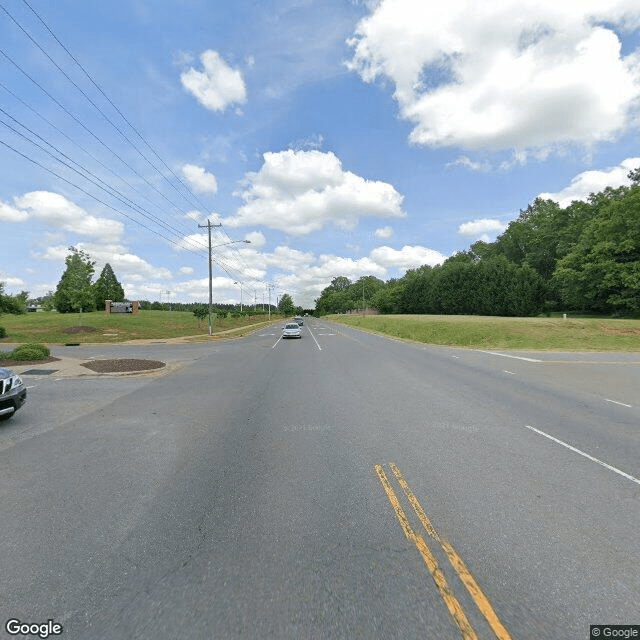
(482, 332)
(63, 328)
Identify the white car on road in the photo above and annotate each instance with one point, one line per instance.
(291, 330)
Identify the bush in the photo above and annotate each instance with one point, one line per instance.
(3, 332)
(30, 352)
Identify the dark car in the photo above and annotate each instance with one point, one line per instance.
(13, 393)
(299, 320)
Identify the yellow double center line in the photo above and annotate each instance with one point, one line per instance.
(454, 607)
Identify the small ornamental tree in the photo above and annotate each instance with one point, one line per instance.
(107, 287)
(200, 312)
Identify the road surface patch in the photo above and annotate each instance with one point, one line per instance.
(585, 455)
(453, 605)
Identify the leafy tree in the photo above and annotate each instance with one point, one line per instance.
(387, 299)
(363, 290)
(340, 283)
(286, 306)
(200, 312)
(601, 272)
(12, 304)
(107, 287)
(74, 291)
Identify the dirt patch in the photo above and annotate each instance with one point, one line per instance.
(18, 363)
(121, 365)
(620, 331)
(80, 329)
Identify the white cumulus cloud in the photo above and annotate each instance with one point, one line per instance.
(58, 212)
(218, 85)
(481, 229)
(593, 181)
(201, 180)
(515, 74)
(299, 192)
(409, 257)
(384, 232)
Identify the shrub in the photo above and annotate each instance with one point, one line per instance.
(3, 332)
(30, 352)
(36, 345)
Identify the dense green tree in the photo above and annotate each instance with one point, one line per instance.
(388, 298)
(74, 291)
(107, 287)
(12, 304)
(416, 294)
(601, 272)
(334, 298)
(286, 306)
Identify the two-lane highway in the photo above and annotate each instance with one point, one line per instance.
(343, 485)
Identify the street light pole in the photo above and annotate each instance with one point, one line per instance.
(201, 226)
(240, 283)
(208, 226)
(269, 287)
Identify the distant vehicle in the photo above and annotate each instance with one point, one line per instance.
(299, 320)
(291, 330)
(13, 393)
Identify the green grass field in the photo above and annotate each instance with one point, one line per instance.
(62, 328)
(485, 332)
(480, 332)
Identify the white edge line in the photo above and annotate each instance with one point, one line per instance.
(319, 347)
(586, 455)
(276, 344)
(505, 355)
(629, 406)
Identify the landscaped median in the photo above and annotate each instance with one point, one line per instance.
(489, 332)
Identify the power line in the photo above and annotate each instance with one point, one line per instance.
(57, 175)
(86, 173)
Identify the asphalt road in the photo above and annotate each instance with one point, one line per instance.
(339, 486)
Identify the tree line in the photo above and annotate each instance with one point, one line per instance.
(583, 258)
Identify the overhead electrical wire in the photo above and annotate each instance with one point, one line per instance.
(110, 190)
(198, 202)
(85, 173)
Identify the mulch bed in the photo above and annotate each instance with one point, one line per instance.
(80, 329)
(122, 365)
(18, 363)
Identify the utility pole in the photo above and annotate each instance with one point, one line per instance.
(240, 283)
(208, 226)
(269, 287)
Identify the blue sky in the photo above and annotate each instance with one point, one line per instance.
(339, 137)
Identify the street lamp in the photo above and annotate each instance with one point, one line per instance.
(240, 283)
(208, 226)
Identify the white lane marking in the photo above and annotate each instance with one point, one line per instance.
(276, 344)
(629, 406)
(456, 357)
(33, 386)
(510, 372)
(586, 455)
(314, 338)
(506, 355)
